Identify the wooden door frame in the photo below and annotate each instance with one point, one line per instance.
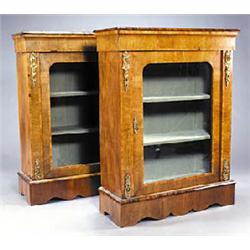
(138, 60)
(46, 61)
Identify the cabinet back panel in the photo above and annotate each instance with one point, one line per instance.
(177, 79)
(175, 161)
(177, 130)
(74, 111)
(75, 149)
(172, 117)
(74, 76)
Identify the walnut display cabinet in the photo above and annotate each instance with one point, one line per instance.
(165, 120)
(58, 92)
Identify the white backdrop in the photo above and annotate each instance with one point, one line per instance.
(86, 218)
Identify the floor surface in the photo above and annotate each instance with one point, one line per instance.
(82, 216)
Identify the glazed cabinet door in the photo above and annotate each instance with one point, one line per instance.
(70, 106)
(176, 120)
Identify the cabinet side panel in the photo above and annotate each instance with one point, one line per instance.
(35, 105)
(226, 114)
(110, 121)
(24, 113)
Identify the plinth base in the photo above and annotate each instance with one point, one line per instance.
(66, 188)
(127, 212)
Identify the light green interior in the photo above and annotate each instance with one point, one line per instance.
(71, 149)
(176, 79)
(177, 120)
(74, 113)
(170, 161)
(67, 77)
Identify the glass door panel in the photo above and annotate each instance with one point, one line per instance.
(74, 113)
(177, 120)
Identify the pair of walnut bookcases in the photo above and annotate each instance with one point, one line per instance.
(152, 109)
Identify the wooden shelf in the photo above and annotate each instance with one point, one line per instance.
(73, 93)
(156, 99)
(175, 137)
(72, 130)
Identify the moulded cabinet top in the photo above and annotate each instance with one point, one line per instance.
(120, 39)
(40, 41)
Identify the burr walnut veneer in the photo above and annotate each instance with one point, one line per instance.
(165, 121)
(58, 115)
